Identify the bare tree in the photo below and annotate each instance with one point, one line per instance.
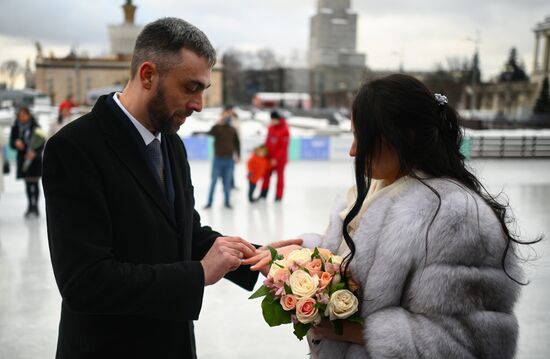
(12, 69)
(267, 59)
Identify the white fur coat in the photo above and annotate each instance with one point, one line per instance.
(455, 303)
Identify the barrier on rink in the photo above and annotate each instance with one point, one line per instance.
(507, 144)
(476, 144)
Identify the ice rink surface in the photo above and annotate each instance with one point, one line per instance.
(230, 325)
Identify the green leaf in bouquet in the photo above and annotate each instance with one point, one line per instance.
(321, 307)
(273, 313)
(338, 327)
(288, 290)
(274, 254)
(316, 254)
(261, 292)
(300, 330)
(337, 287)
(356, 318)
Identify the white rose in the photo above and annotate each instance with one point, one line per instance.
(300, 256)
(336, 259)
(277, 266)
(303, 285)
(343, 304)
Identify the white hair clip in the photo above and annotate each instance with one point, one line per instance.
(441, 99)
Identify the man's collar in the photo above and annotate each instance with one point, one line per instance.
(147, 136)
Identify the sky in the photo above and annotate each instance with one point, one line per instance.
(420, 34)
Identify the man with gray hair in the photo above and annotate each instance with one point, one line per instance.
(130, 256)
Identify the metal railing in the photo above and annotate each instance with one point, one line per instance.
(507, 144)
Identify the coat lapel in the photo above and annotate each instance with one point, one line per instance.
(126, 148)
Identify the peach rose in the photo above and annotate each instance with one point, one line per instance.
(288, 302)
(306, 311)
(324, 280)
(314, 267)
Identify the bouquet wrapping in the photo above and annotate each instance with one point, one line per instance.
(306, 287)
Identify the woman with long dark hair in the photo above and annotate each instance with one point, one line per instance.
(432, 251)
(29, 159)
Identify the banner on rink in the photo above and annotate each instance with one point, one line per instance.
(197, 147)
(319, 148)
(315, 148)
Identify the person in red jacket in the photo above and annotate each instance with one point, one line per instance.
(276, 144)
(67, 104)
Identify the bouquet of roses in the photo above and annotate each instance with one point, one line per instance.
(38, 138)
(306, 287)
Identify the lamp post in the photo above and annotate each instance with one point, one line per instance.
(474, 69)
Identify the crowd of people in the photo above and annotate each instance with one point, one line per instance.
(432, 252)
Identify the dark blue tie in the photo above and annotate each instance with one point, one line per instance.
(155, 156)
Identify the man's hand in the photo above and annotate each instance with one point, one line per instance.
(225, 256)
(262, 256)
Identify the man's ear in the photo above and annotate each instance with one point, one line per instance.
(147, 73)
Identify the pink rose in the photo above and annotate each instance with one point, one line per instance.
(315, 267)
(324, 280)
(306, 311)
(288, 302)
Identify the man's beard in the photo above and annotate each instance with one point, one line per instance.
(160, 118)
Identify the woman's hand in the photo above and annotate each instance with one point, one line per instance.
(352, 332)
(19, 144)
(260, 261)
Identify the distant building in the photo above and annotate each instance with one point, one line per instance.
(123, 36)
(512, 95)
(335, 64)
(541, 58)
(84, 76)
(277, 80)
(76, 75)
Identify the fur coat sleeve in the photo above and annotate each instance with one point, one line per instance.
(434, 291)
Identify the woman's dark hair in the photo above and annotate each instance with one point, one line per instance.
(424, 131)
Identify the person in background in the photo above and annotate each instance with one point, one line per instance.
(62, 119)
(67, 104)
(4, 163)
(257, 166)
(29, 160)
(227, 149)
(276, 143)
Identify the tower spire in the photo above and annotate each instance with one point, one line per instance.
(129, 12)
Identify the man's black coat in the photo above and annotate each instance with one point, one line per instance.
(126, 262)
